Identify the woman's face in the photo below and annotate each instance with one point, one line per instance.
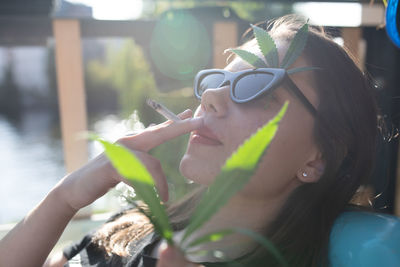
(230, 123)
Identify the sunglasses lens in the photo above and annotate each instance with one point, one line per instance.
(212, 80)
(251, 84)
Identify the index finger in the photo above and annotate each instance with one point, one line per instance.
(157, 135)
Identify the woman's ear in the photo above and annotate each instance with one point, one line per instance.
(312, 170)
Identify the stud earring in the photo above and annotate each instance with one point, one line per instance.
(305, 174)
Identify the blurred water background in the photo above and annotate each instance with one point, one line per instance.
(31, 162)
(118, 79)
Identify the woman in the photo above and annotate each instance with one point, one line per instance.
(323, 151)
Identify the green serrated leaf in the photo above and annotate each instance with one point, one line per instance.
(296, 47)
(248, 155)
(167, 235)
(131, 168)
(300, 69)
(267, 46)
(210, 237)
(250, 58)
(226, 184)
(236, 172)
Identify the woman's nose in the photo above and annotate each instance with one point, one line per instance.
(215, 101)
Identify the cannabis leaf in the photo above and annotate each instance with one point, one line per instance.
(236, 172)
(270, 52)
(210, 237)
(250, 58)
(131, 168)
(296, 47)
(267, 46)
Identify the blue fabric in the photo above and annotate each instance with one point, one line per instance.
(365, 239)
(393, 21)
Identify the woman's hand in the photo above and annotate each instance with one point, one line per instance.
(172, 257)
(37, 233)
(90, 182)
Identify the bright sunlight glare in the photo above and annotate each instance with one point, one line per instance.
(113, 9)
(331, 14)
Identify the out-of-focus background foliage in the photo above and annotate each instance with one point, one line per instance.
(174, 40)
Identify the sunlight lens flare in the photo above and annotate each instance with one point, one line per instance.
(180, 45)
(113, 10)
(331, 14)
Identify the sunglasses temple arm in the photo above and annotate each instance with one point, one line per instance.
(301, 96)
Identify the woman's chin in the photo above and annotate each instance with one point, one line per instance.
(196, 172)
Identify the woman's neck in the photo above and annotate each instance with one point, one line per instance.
(239, 212)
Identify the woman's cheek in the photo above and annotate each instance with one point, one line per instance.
(272, 178)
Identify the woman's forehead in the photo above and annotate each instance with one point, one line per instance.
(237, 65)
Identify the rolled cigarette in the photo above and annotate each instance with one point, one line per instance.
(168, 114)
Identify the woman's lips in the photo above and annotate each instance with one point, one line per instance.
(204, 140)
(205, 136)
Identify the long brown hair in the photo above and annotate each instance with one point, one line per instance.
(345, 132)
